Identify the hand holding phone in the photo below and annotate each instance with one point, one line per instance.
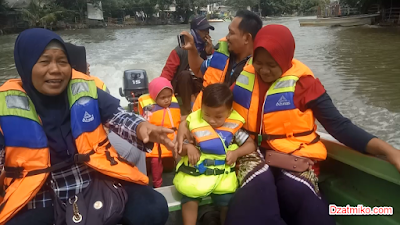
(181, 40)
(186, 41)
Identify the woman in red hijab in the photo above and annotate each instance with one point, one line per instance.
(280, 99)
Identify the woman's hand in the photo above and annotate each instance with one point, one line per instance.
(378, 147)
(394, 158)
(148, 132)
(193, 154)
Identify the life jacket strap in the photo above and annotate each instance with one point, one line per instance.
(17, 172)
(269, 137)
(209, 172)
(213, 162)
(202, 167)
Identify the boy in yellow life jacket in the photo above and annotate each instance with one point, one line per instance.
(207, 168)
(161, 108)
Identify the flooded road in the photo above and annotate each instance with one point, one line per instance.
(359, 67)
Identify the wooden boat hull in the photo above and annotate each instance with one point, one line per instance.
(340, 21)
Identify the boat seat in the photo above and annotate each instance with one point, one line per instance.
(173, 198)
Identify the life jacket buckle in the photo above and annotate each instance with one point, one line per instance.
(259, 139)
(210, 172)
(209, 162)
(14, 172)
(289, 135)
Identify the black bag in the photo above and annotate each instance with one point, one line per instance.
(101, 203)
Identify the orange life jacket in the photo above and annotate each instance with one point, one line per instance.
(284, 127)
(99, 83)
(166, 117)
(27, 163)
(216, 71)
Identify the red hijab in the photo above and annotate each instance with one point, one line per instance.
(279, 42)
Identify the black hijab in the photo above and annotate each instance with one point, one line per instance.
(53, 110)
(77, 56)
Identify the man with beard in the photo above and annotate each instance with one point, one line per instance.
(225, 65)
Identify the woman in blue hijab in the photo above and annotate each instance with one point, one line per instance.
(44, 67)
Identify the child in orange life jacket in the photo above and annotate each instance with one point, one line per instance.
(161, 108)
(208, 167)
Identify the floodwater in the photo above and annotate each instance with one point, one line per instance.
(358, 66)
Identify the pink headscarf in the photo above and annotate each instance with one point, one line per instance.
(157, 85)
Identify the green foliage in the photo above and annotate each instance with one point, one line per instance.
(276, 7)
(241, 4)
(46, 12)
(39, 14)
(3, 6)
(79, 7)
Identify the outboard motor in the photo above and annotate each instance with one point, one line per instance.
(135, 84)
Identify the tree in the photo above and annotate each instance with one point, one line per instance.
(183, 9)
(40, 14)
(78, 6)
(242, 4)
(3, 6)
(279, 7)
(115, 8)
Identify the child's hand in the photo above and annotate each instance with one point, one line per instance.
(193, 154)
(231, 157)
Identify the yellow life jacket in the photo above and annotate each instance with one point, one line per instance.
(284, 127)
(27, 163)
(210, 174)
(166, 117)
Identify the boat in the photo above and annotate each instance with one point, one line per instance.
(347, 177)
(345, 21)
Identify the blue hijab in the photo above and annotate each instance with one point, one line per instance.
(53, 110)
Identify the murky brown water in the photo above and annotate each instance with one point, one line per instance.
(359, 67)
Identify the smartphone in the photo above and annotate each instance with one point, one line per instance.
(181, 40)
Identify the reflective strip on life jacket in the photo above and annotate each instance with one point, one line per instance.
(245, 92)
(280, 95)
(208, 140)
(284, 127)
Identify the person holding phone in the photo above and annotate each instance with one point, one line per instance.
(185, 83)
